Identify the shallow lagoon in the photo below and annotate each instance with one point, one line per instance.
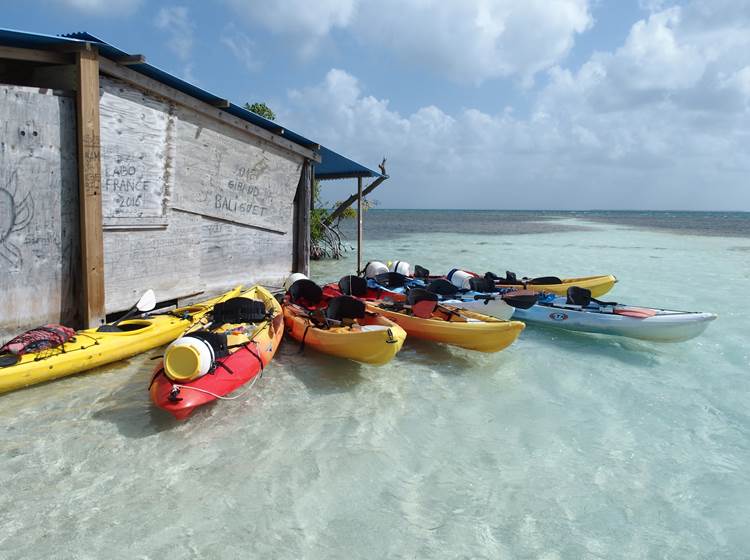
(562, 446)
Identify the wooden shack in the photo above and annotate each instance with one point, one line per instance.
(116, 177)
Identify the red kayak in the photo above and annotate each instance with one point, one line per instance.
(218, 357)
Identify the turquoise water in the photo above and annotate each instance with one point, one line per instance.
(562, 446)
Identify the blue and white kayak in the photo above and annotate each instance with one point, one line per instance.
(644, 323)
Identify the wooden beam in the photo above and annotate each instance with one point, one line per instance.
(302, 209)
(131, 59)
(359, 225)
(154, 86)
(89, 188)
(221, 103)
(34, 55)
(352, 199)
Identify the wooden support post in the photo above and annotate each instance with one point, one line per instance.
(302, 211)
(89, 187)
(359, 225)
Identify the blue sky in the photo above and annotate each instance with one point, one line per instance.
(475, 103)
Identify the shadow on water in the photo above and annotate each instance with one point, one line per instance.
(320, 373)
(439, 357)
(130, 409)
(625, 350)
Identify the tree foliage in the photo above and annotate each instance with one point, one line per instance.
(260, 108)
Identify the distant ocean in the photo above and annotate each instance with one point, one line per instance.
(382, 223)
(563, 446)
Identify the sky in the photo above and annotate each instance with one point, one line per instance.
(539, 104)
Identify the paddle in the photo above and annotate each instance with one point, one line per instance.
(146, 303)
(520, 299)
(424, 309)
(637, 312)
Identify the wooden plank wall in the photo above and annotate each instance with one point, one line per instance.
(137, 155)
(39, 231)
(216, 208)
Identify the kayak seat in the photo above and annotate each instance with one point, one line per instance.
(582, 297)
(391, 279)
(545, 280)
(578, 296)
(421, 272)
(239, 310)
(483, 285)
(353, 286)
(442, 287)
(510, 278)
(416, 295)
(345, 307)
(305, 292)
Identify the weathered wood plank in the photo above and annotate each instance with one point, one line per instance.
(131, 76)
(136, 154)
(221, 172)
(166, 260)
(39, 236)
(232, 254)
(89, 187)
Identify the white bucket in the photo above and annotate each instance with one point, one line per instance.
(188, 358)
(401, 267)
(292, 279)
(460, 278)
(374, 268)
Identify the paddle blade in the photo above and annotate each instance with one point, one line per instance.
(637, 312)
(521, 299)
(424, 309)
(147, 301)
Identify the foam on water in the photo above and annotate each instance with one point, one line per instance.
(562, 446)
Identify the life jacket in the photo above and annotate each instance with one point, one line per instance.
(38, 339)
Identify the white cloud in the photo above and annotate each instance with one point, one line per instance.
(242, 47)
(307, 23)
(476, 40)
(101, 7)
(472, 40)
(175, 20)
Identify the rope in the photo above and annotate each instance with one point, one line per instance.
(260, 374)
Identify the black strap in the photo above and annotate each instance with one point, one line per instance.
(304, 335)
(256, 354)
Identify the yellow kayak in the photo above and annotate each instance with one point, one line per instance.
(340, 326)
(91, 348)
(597, 285)
(451, 325)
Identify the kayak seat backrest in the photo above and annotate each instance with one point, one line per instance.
(421, 272)
(510, 278)
(239, 310)
(545, 280)
(345, 307)
(305, 292)
(216, 340)
(442, 287)
(578, 296)
(353, 286)
(391, 279)
(418, 294)
(483, 285)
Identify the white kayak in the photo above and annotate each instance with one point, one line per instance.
(494, 307)
(645, 323)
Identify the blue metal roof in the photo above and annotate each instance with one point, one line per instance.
(331, 166)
